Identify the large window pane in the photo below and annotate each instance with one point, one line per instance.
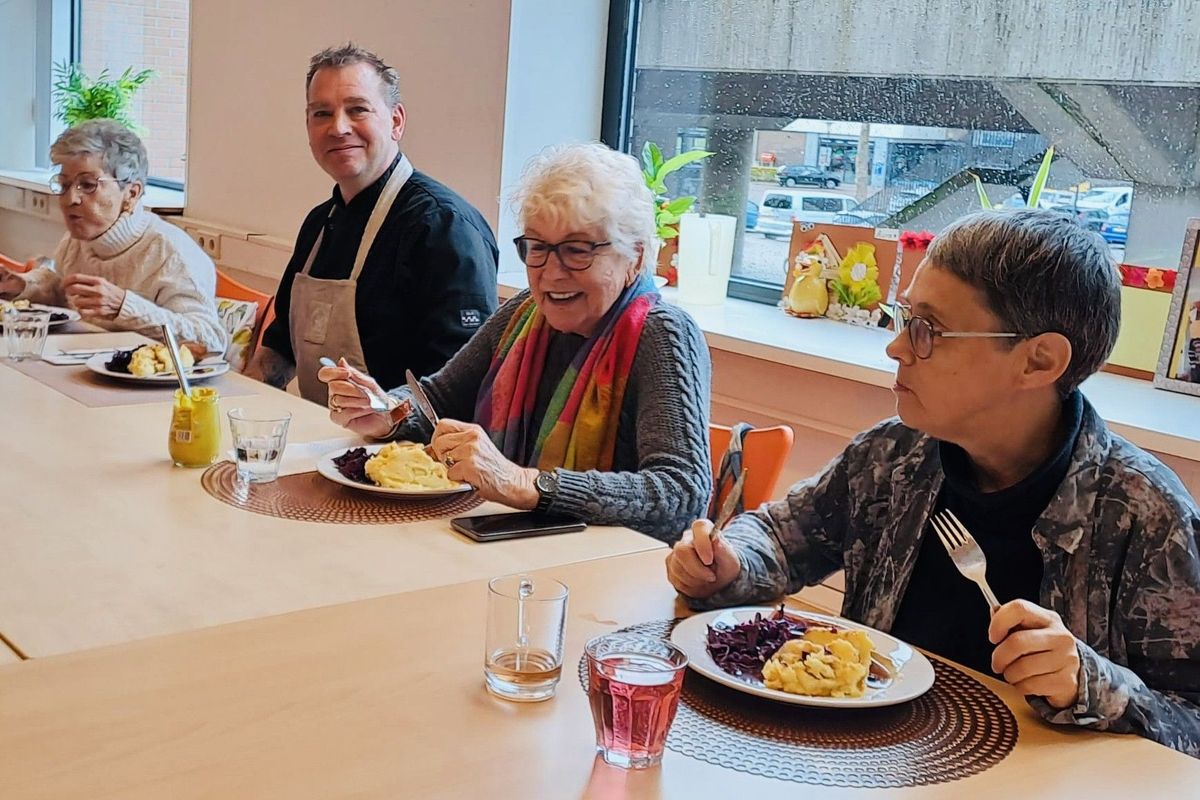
(863, 112)
(145, 34)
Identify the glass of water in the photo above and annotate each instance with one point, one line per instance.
(258, 442)
(25, 333)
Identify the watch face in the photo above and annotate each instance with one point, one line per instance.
(546, 482)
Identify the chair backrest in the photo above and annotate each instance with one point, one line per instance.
(12, 265)
(235, 290)
(764, 453)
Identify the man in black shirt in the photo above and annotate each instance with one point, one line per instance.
(395, 271)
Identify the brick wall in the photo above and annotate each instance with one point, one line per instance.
(146, 34)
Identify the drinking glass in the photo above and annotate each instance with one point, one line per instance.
(634, 682)
(523, 652)
(258, 442)
(25, 333)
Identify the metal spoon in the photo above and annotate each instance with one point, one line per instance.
(173, 350)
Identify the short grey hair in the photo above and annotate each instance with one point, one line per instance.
(348, 55)
(1040, 272)
(121, 150)
(591, 186)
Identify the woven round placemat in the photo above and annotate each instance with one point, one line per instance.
(957, 728)
(310, 498)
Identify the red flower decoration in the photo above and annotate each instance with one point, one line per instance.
(916, 241)
(1162, 280)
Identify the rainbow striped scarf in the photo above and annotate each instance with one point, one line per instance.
(579, 430)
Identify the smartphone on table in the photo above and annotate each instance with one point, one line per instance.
(494, 527)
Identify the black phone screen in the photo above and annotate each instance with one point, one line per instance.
(493, 527)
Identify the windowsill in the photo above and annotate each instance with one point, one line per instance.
(157, 198)
(1154, 419)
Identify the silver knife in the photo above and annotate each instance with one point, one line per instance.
(730, 504)
(420, 397)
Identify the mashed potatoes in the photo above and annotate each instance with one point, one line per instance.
(14, 305)
(824, 663)
(151, 359)
(404, 465)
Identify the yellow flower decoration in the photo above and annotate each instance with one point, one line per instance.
(858, 268)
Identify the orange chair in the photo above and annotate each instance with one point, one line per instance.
(764, 452)
(228, 288)
(12, 265)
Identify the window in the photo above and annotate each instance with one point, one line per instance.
(909, 111)
(144, 34)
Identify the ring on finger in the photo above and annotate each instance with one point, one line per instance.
(334, 404)
(449, 461)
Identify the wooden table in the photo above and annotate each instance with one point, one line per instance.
(105, 542)
(384, 699)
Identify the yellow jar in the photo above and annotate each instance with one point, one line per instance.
(195, 437)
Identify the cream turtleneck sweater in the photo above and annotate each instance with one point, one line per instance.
(168, 279)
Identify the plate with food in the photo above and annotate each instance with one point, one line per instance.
(58, 315)
(398, 469)
(803, 658)
(151, 363)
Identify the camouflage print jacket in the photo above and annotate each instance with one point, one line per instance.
(1118, 541)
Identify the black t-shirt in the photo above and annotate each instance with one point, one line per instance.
(428, 283)
(944, 612)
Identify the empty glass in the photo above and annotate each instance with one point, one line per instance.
(258, 442)
(634, 682)
(524, 647)
(25, 333)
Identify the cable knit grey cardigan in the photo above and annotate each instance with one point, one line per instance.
(662, 474)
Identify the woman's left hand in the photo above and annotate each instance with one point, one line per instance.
(1035, 652)
(94, 297)
(470, 456)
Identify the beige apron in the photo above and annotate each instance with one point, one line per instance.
(322, 318)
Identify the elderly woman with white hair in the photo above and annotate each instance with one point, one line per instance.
(122, 267)
(585, 395)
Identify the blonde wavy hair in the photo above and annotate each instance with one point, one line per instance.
(591, 186)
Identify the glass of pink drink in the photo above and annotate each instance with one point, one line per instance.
(634, 682)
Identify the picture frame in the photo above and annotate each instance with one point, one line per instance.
(1179, 359)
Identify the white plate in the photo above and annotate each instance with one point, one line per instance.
(912, 677)
(72, 314)
(200, 371)
(328, 469)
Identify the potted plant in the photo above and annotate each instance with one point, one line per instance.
(667, 211)
(79, 98)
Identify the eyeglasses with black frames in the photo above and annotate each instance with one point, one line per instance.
(574, 254)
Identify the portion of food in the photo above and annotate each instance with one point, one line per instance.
(825, 663)
(149, 359)
(797, 655)
(743, 649)
(25, 305)
(397, 465)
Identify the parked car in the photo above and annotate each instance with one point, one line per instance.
(751, 215)
(781, 207)
(804, 175)
(1115, 228)
(1090, 218)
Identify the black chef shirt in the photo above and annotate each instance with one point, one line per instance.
(428, 282)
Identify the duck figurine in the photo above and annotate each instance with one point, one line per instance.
(809, 296)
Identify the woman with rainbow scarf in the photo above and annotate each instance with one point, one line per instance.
(584, 396)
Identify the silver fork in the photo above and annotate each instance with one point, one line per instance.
(965, 553)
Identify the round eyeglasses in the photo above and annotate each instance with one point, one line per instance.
(85, 184)
(921, 332)
(574, 254)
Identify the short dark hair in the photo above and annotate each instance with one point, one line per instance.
(350, 54)
(1040, 272)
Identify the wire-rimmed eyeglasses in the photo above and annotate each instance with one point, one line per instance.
(921, 332)
(86, 184)
(574, 254)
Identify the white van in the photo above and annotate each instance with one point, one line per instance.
(780, 207)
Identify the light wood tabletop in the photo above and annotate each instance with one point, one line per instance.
(105, 541)
(384, 698)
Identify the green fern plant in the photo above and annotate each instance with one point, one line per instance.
(1035, 189)
(655, 171)
(78, 98)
